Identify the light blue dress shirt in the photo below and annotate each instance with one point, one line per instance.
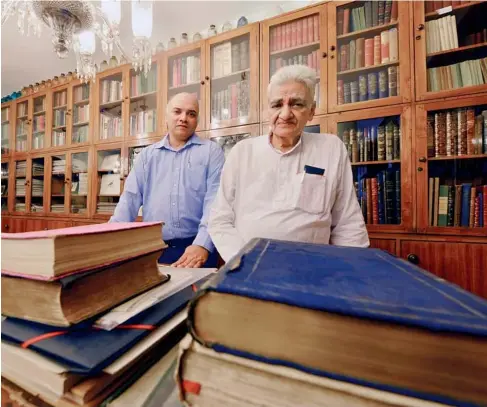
(174, 186)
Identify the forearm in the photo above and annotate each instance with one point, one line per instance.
(127, 208)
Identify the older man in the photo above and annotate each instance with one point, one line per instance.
(175, 180)
(289, 185)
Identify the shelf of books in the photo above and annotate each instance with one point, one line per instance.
(145, 97)
(452, 166)
(378, 142)
(186, 73)
(21, 181)
(37, 177)
(109, 180)
(61, 117)
(369, 59)
(450, 48)
(79, 175)
(81, 108)
(296, 38)
(227, 138)
(57, 186)
(233, 71)
(6, 126)
(5, 184)
(110, 105)
(22, 126)
(39, 122)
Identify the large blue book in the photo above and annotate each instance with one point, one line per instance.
(352, 314)
(83, 349)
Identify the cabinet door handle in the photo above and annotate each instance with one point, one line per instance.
(207, 78)
(202, 82)
(422, 159)
(324, 55)
(412, 258)
(332, 48)
(420, 27)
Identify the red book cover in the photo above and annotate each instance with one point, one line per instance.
(278, 38)
(369, 52)
(485, 205)
(360, 51)
(375, 202)
(346, 21)
(429, 6)
(456, 3)
(340, 15)
(305, 31)
(294, 33)
(368, 186)
(316, 26)
(394, 11)
(288, 35)
(299, 32)
(272, 45)
(376, 52)
(343, 58)
(340, 94)
(310, 29)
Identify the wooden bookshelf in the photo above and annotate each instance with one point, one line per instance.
(414, 239)
(452, 9)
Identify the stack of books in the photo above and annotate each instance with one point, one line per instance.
(293, 324)
(87, 315)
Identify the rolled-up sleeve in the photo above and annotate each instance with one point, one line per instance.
(217, 159)
(131, 200)
(348, 226)
(222, 217)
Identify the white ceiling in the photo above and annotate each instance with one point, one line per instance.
(26, 60)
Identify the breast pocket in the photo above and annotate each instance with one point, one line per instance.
(312, 193)
(197, 177)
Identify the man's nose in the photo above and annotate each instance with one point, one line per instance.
(183, 117)
(286, 112)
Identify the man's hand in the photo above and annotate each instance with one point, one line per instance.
(194, 256)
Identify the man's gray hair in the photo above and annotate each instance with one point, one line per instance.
(297, 73)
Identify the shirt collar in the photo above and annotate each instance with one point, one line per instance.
(164, 142)
(297, 146)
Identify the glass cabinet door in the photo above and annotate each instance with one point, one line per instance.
(296, 40)
(21, 183)
(184, 75)
(233, 70)
(227, 138)
(37, 185)
(455, 150)
(5, 186)
(58, 183)
(39, 123)
(79, 183)
(22, 127)
(110, 107)
(59, 126)
(450, 48)
(109, 183)
(6, 130)
(143, 103)
(81, 114)
(369, 54)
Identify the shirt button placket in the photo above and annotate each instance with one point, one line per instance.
(174, 190)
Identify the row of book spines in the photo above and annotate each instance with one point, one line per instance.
(380, 198)
(39, 123)
(81, 93)
(230, 57)
(111, 91)
(375, 143)
(139, 84)
(60, 98)
(375, 85)
(185, 70)
(39, 105)
(81, 114)
(143, 122)
(476, 38)
(431, 6)
(462, 205)
(232, 102)
(459, 75)
(441, 34)
(295, 33)
(371, 14)
(59, 118)
(456, 133)
(310, 60)
(367, 52)
(110, 127)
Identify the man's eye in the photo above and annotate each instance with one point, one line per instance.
(276, 105)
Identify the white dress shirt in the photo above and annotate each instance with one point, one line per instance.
(266, 193)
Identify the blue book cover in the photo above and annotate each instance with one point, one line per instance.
(465, 213)
(87, 350)
(368, 284)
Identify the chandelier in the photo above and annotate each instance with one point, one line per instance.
(75, 25)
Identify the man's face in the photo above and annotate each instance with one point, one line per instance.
(290, 108)
(183, 116)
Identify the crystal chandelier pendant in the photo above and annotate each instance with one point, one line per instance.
(142, 55)
(84, 47)
(142, 30)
